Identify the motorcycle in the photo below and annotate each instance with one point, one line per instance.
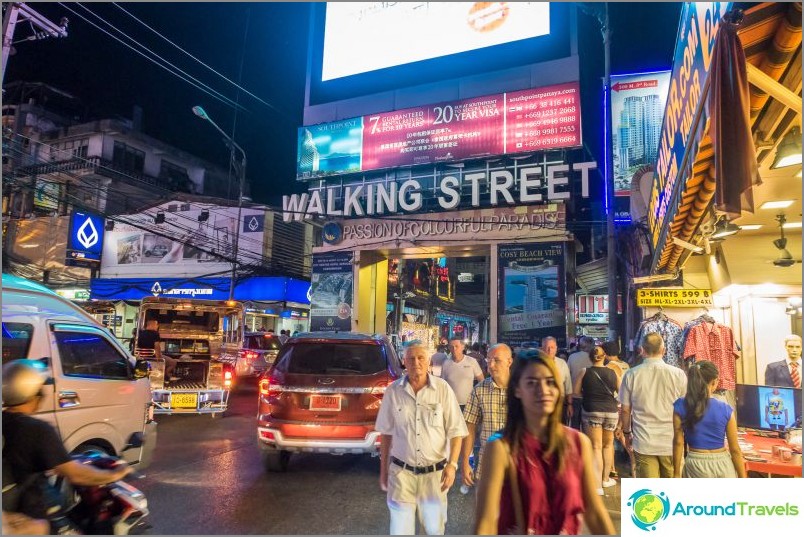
(113, 509)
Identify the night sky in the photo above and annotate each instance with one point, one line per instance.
(270, 39)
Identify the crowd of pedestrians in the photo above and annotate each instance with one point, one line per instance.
(534, 433)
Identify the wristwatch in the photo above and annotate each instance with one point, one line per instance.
(453, 464)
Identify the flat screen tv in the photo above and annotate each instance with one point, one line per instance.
(769, 408)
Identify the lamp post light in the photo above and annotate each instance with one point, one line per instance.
(241, 172)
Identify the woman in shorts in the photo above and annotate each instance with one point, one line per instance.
(598, 386)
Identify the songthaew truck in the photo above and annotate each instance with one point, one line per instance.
(200, 341)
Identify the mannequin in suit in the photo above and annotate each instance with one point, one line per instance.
(780, 373)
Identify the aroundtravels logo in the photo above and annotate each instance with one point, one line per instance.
(648, 508)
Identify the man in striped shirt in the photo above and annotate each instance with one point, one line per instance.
(486, 407)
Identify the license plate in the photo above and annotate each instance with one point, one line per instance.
(325, 402)
(184, 400)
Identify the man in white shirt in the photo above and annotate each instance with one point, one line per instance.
(461, 371)
(647, 394)
(577, 362)
(550, 348)
(421, 431)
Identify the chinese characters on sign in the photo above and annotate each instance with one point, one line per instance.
(521, 121)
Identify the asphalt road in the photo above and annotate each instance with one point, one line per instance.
(207, 478)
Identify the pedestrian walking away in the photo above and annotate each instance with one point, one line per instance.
(596, 388)
(700, 421)
(577, 362)
(486, 410)
(421, 430)
(647, 394)
(539, 476)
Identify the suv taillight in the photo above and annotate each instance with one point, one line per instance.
(269, 387)
(378, 390)
(248, 355)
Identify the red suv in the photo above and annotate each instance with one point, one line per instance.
(322, 395)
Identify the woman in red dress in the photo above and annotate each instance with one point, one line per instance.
(541, 477)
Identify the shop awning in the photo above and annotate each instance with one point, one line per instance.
(771, 39)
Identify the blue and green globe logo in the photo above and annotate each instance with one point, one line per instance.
(648, 508)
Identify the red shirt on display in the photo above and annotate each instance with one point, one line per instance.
(714, 342)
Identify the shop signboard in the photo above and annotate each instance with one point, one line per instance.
(191, 242)
(675, 298)
(681, 132)
(528, 120)
(262, 288)
(331, 292)
(85, 240)
(595, 330)
(501, 224)
(73, 294)
(593, 309)
(637, 109)
(47, 194)
(532, 292)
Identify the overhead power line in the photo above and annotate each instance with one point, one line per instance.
(224, 77)
(187, 78)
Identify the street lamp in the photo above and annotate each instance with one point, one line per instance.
(241, 172)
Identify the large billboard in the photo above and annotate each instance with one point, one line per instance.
(637, 110)
(516, 122)
(193, 242)
(331, 292)
(531, 292)
(360, 37)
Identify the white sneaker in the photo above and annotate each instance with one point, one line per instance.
(600, 492)
(609, 483)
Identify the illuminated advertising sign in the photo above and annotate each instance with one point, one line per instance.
(637, 109)
(700, 22)
(365, 36)
(516, 122)
(85, 242)
(593, 309)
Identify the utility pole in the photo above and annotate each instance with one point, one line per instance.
(601, 13)
(42, 27)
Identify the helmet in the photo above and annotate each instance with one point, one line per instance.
(22, 380)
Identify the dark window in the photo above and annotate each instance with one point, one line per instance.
(16, 340)
(262, 342)
(91, 356)
(176, 176)
(127, 158)
(332, 359)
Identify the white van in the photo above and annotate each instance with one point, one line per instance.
(98, 396)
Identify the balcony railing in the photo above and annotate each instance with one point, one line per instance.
(99, 166)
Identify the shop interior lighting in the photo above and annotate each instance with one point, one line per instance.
(799, 174)
(751, 227)
(789, 151)
(724, 228)
(792, 225)
(781, 204)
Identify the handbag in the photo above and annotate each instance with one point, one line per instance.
(516, 495)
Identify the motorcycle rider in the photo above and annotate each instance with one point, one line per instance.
(31, 447)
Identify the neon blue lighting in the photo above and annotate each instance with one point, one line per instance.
(639, 73)
(605, 150)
